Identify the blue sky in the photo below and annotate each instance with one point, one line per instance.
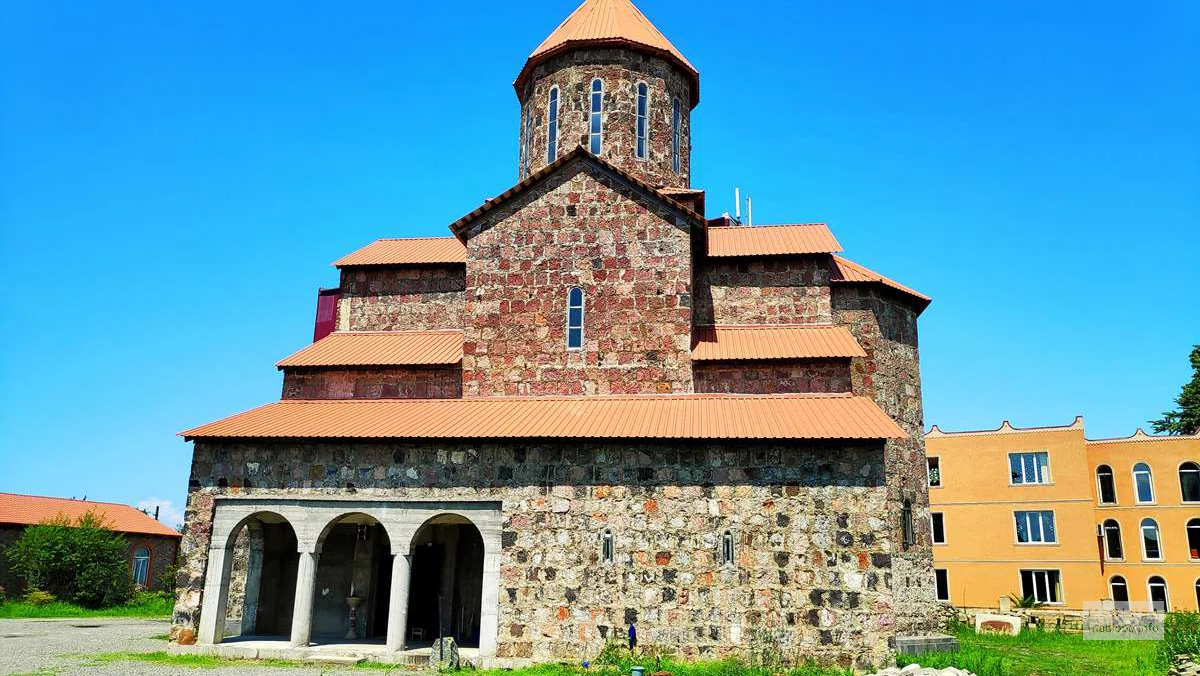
(175, 179)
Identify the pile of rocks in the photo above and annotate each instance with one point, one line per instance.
(918, 670)
(1185, 665)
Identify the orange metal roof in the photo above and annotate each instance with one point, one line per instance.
(848, 271)
(380, 348)
(768, 240)
(608, 21)
(726, 343)
(698, 416)
(27, 510)
(413, 251)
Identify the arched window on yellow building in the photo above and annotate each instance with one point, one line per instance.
(1113, 551)
(1106, 487)
(1189, 481)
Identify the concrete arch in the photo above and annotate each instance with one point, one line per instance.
(449, 516)
(230, 533)
(352, 516)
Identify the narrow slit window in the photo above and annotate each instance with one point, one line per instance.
(941, 579)
(643, 105)
(1106, 485)
(552, 127)
(1143, 483)
(727, 548)
(906, 525)
(596, 117)
(606, 546)
(676, 133)
(575, 319)
(527, 149)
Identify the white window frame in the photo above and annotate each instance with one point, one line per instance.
(582, 318)
(1166, 592)
(553, 123)
(1112, 595)
(641, 124)
(937, 460)
(1045, 573)
(1043, 475)
(933, 531)
(1142, 538)
(141, 566)
(937, 592)
(1100, 486)
(1187, 529)
(1120, 541)
(1041, 526)
(596, 138)
(1137, 494)
(1179, 473)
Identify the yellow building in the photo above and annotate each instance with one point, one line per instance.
(1047, 513)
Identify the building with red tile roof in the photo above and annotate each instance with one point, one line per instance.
(153, 545)
(588, 407)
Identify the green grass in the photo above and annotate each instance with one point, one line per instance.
(1038, 653)
(621, 667)
(145, 605)
(213, 662)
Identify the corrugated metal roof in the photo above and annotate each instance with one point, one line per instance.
(603, 22)
(726, 343)
(26, 510)
(380, 348)
(848, 271)
(701, 416)
(413, 251)
(771, 240)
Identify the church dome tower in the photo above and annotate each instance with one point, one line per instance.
(608, 80)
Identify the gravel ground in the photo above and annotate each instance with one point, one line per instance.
(62, 647)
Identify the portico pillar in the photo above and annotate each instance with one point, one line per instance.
(302, 613)
(216, 596)
(398, 603)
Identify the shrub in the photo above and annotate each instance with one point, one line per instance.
(3, 595)
(82, 562)
(1182, 637)
(1025, 602)
(38, 598)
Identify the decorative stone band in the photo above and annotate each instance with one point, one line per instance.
(695, 416)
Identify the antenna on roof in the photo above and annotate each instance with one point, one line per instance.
(749, 211)
(737, 203)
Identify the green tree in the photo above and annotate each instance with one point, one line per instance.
(1186, 418)
(83, 562)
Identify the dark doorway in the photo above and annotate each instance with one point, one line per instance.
(262, 585)
(446, 587)
(349, 569)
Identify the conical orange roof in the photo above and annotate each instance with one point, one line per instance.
(608, 22)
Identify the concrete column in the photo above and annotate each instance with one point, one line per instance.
(216, 596)
(302, 613)
(489, 616)
(398, 603)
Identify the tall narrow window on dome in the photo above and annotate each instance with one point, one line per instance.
(643, 106)
(676, 123)
(727, 548)
(606, 546)
(596, 118)
(552, 127)
(527, 151)
(575, 319)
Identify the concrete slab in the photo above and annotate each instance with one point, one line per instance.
(927, 643)
(341, 660)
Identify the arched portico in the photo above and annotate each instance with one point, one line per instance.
(321, 524)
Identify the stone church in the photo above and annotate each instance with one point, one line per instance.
(589, 407)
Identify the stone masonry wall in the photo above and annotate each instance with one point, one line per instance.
(413, 382)
(813, 560)
(777, 290)
(773, 377)
(620, 71)
(886, 328)
(579, 228)
(416, 298)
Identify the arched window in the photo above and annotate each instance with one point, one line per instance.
(1112, 540)
(1143, 483)
(1106, 485)
(1193, 539)
(575, 319)
(606, 546)
(1151, 543)
(552, 127)
(1197, 593)
(596, 119)
(1157, 592)
(141, 566)
(643, 107)
(727, 548)
(1119, 591)
(1189, 481)
(676, 132)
